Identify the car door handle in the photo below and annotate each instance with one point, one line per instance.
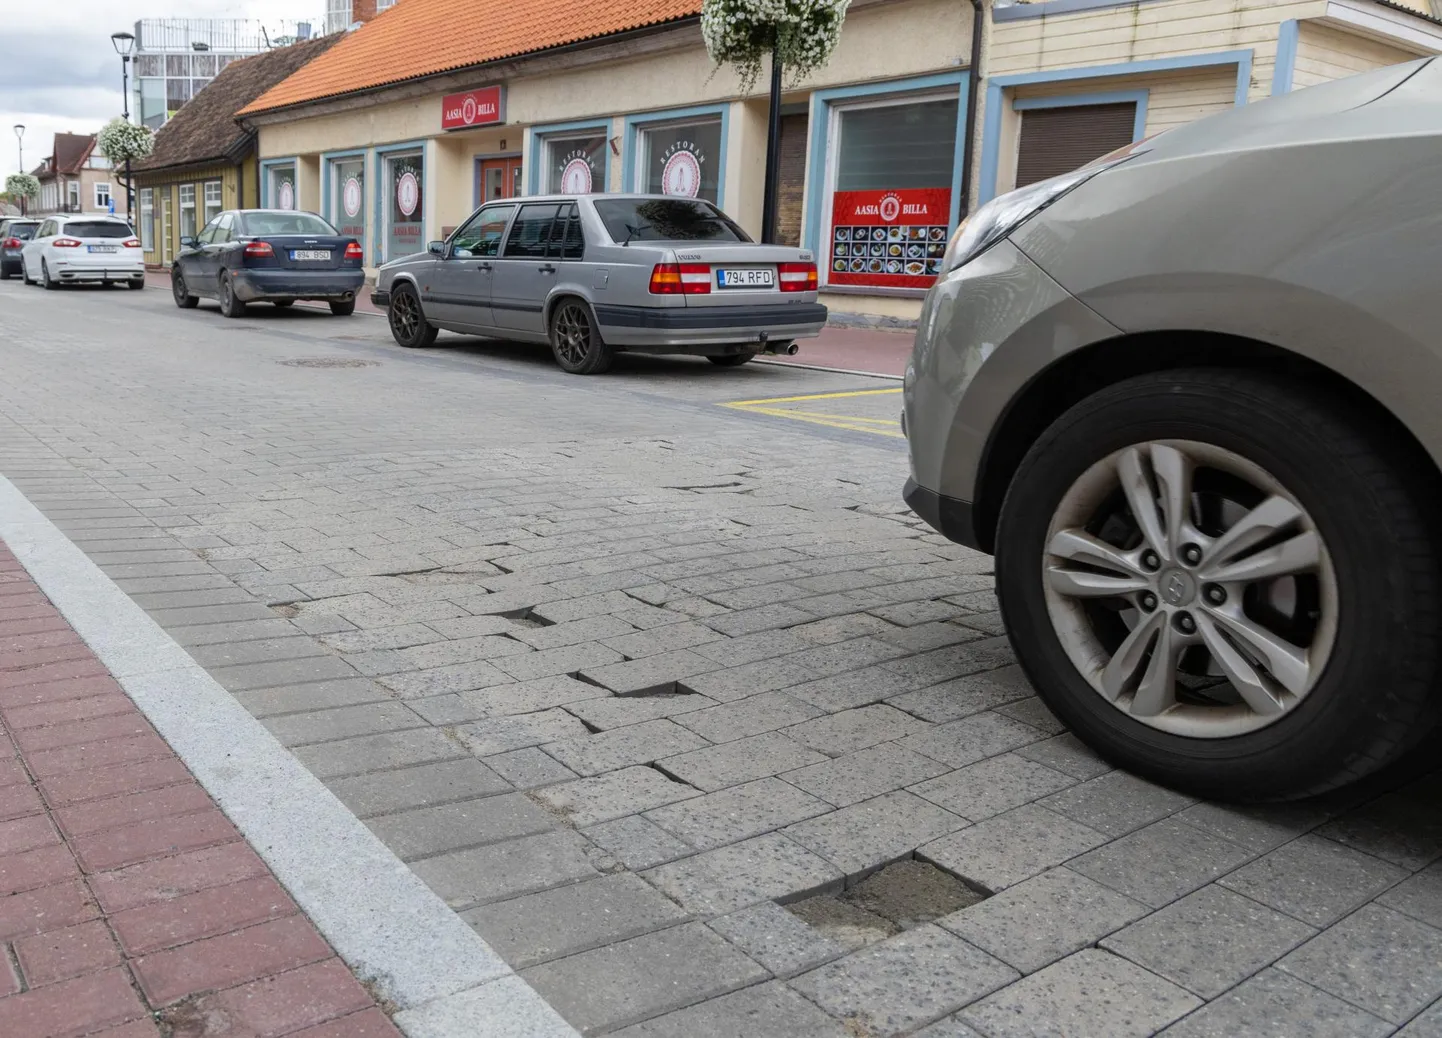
(484, 267)
(547, 269)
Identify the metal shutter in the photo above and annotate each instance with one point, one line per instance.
(1059, 140)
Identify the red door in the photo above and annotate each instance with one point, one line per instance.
(500, 178)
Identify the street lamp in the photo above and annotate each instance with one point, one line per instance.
(20, 142)
(125, 43)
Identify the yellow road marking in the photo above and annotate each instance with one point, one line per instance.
(853, 423)
(813, 396)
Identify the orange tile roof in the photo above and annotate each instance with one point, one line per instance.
(418, 38)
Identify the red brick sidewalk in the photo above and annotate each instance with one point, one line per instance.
(130, 907)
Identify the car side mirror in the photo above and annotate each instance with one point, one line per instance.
(436, 248)
(187, 242)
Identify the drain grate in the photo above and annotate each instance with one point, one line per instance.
(328, 362)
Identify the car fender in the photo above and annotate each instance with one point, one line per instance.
(566, 290)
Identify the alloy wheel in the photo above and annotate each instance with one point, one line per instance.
(573, 333)
(1190, 589)
(405, 316)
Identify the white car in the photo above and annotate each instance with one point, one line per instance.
(77, 248)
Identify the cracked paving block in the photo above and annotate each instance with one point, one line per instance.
(461, 650)
(747, 717)
(911, 614)
(505, 870)
(1011, 847)
(592, 754)
(732, 763)
(589, 801)
(1314, 879)
(925, 637)
(874, 833)
(1090, 993)
(530, 768)
(762, 618)
(516, 732)
(401, 637)
(1256, 1006)
(526, 697)
(853, 730)
(1160, 863)
(899, 984)
(619, 711)
(865, 774)
(426, 831)
(777, 939)
(637, 843)
(972, 739)
(669, 638)
(770, 1010)
(992, 786)
(962, 697)
(765, 868)
(734, 814)
(650, 673)
(1046, 918)
(1116, 803)
(462, 677)
(567, 610)
(569, 659)
(592, 628)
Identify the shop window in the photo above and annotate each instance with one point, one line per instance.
(1054, 141)
(892, 178)
(682, 159)
(280, 189)
(575, 164)
(213, 202)
(187, 211)
(405, 205)
(347, 197)
(147, 219)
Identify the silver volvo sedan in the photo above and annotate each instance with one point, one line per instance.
(1188, 397)
(597, 274)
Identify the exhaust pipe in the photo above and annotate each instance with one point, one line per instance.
(789, 349)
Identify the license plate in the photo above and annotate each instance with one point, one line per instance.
(745, 278)
(101, 248)
(310, 254)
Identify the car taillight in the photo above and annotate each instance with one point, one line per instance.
(130, 243)
(65, 243)
(259, 248)
(354, 251)
(10, 243)
(797, 277)
(671, 279)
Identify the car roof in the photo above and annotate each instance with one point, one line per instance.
(89, 218)
(597, 196)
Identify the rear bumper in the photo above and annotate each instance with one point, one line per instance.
(126, 271)
(253, 285)
(695, 326)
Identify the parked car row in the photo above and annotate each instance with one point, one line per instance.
(72, 249)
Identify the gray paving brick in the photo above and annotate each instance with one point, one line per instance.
(400, 637)
(658, 673)
(1209, 940)
(955, 661)
(637, 843)
(367, 753)
(448, 709)
(838, 657)
(1011, 847)
(526, 697)
(731, 763)
(972, 739)
(189, 599)
(734, 814)
(1067, 754)
(1402, 827)
(315, 695)
(1314, 879)
(378, 663)
(668, 638)
(619, 711)
(467, 626)
(426, 831)
(238, 631)
(461, 651)
(868, 835)
(1272, 999)
(569, 659)
(992, 786)
(1378, 959)
(190, 616)
(588, 801)
(762, 618)
(1420, 896)
(777, 939)
(950, 1027)
(515, 732)
(1256, 827)
(646, 618)
(853, 730)
(835, 629)
(505, 870)
(460, 677)
(342, 723)
(735, 683)
(924, 637)
(1046, 918)
(752, 716)
(632, 980)
(1426, 1024)
(1116, 803)
(319, 623)
(592, 628)
(903, 982)
(592, 754)
(530, 768)
(537, 928)
(1090, 993)
(1033, 712)
(865, 774)
(953, 700)
(250, 676)
(852, 689)
(426, 785)
(769, 1010)
(750, 648)
(566, 610)
(1161, 862)
(911, 614)
(765, 868)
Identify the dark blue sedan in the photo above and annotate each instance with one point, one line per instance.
(268, 255)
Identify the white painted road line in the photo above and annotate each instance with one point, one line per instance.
(392, 929)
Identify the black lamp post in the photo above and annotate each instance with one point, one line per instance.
(20, 141)
(773, 152)
(124, 44)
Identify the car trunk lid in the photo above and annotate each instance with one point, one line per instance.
(743, 274)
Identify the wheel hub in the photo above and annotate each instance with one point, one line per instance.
(1176, 587)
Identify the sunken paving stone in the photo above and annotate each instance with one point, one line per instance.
(426, 785)
(589, 801)
(1271, 1000)
(427, 831)
(505, 870)
(1387, 963)
(657, 673)
(776, 938)
(644, 977)
(593, 754)
(846, 780)
(765, 712)
(1089, 993)
(840, 921)
(875, 832)
(525, 697)
(770, 1010)
(1116, 803)
(910, 893)
(992, 786)
(766, 868)
(899, 984)
(733, 814)
(501, 734)
(1209, 940)
(1046, 918)
(554, 923)
(1314, 879)
(1005, 850)
(1161, 862)
(529, 768)
(732, 763)
(621, 711)
(637, 843)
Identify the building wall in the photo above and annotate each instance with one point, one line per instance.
(166, 184)
(1325, 53)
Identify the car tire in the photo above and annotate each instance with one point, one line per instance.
(183, 298)
(49, 285)
(576, 341)
(1358, 490)
(5, 275)
(230, 306)
(135, 284)
(731, 360)
(282, 304)
(25, 274)
(407, 320)
(342, 308)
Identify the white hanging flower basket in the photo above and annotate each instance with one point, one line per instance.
(22, 185)
(121, 140)
(743, 33)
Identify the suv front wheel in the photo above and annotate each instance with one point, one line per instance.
(1225, 582)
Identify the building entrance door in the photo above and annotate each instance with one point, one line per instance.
(498, 178)
(167, 247)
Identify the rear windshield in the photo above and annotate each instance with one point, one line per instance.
(97, 229)
(666, 219)
(22, 231)
(284, 223)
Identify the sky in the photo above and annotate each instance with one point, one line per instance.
(59, 71)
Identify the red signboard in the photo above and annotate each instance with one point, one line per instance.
(888, 239)
(473, 108)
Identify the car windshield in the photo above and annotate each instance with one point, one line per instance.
(97, 229)
(284, 223)
(20, 231)
(666, 219)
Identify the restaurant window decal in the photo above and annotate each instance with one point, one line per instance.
(891, 201)
(282, 187)
(682, 159)
(347, 193)
(405, 205)
(575, 164)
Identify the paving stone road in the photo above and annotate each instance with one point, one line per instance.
(649, 689)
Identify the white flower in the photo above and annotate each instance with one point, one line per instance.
(743, 33)
(121, 140)
(22, 185)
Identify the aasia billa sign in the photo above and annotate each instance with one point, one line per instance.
(473, 108)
